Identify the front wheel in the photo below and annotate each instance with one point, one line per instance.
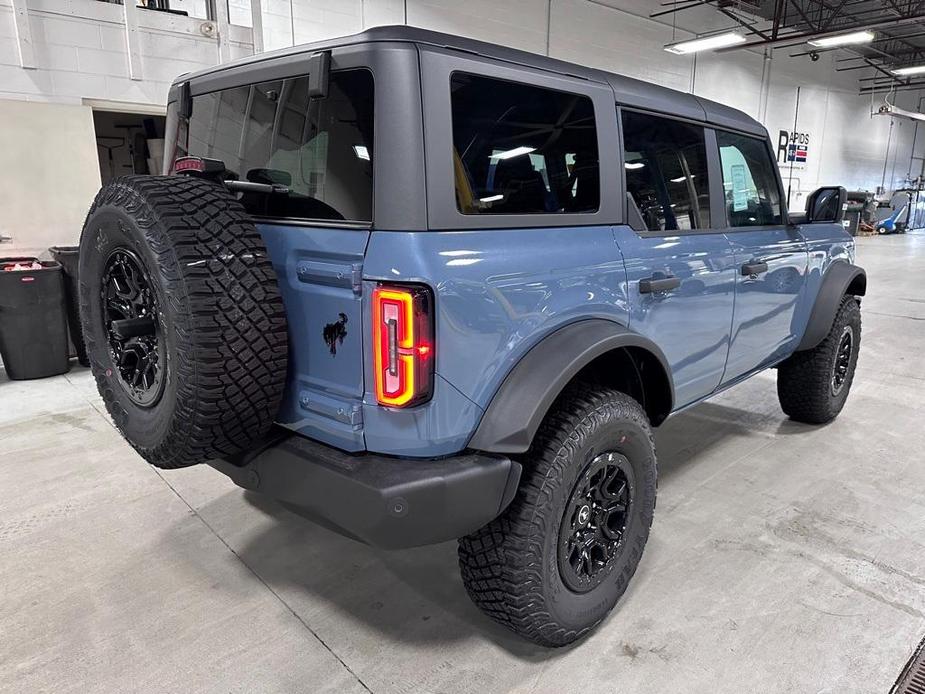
(555, 563)
(813, 385)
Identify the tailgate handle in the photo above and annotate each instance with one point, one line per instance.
(318, 272)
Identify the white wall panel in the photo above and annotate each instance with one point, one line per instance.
(62, 159)
(590, 34)
(80, 52)
(516, 23)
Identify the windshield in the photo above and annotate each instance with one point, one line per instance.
(318, 151)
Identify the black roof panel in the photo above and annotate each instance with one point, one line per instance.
(629, 91)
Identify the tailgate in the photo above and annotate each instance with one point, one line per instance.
(319, 272)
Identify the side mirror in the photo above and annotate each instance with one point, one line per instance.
(826, 205)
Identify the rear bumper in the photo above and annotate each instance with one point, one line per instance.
(382, 501)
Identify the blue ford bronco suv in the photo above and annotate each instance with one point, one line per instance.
(419, 288)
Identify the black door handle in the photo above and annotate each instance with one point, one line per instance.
(658, 284)
(754, 269)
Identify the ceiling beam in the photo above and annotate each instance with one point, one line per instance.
(801, 37)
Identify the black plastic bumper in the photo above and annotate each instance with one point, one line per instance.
(382, 501)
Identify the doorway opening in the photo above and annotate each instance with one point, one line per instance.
(128, 143)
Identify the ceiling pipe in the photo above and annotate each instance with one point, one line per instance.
(797, 38)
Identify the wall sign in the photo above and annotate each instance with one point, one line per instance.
(792, 149)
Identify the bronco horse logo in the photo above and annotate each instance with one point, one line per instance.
(334, 333)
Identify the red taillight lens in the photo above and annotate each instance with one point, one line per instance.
(403, 346)
(191, 164)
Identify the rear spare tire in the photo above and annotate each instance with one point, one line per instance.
(183, 319)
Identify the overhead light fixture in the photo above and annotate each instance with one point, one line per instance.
(633, 165)
(681, 179)
(492, 198)
(911, 70)
(706, 43)
(843, 39)
(509, 154)
(889, 109)
(361, 152)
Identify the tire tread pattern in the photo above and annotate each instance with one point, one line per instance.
(501, 563)
(228, 316)
(803, 386)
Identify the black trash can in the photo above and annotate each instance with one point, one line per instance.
(33, 320)
(68, 256)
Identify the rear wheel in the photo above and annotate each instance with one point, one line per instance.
(554, 564)
(182, 316)
(813, 385)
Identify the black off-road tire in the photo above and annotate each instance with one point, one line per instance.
(805, 382)
(220, 323)
(511, 567)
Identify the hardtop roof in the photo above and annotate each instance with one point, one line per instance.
(629, 91)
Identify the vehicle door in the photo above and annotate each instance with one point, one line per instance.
(771, 256)
(680, 267)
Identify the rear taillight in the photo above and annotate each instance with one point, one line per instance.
(403, 345)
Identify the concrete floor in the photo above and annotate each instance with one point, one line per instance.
(783, 557)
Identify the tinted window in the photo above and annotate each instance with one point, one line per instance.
(320, 149)
(666, 172)
(749, 181)
(519, 149)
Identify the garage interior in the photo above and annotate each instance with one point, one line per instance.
(128, 144)
(783, 557)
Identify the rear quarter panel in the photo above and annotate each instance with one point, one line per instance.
(497, 294)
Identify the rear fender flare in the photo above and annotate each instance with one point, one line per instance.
(518, 407)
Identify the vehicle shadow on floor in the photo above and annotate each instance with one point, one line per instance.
(416, 595)
(691, 436)
(412, 596)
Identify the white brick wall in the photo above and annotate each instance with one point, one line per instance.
(80, 51)
(848, 148)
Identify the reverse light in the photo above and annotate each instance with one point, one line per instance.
(403, 344)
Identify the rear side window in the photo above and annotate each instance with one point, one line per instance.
(666, 172)
(750, 187)
(520, 149)
(320, 149)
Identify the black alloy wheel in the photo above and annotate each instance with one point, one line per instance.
(130, 318)
(595, 521)
(557, 560)
(842, 360)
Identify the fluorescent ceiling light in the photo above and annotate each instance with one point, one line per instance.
(492, 198)
(911, 70)
(516, 152)
(891, 110)
(361, 152)
(680, 179)
(633, 165)
(706, 43)
(843, 39)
